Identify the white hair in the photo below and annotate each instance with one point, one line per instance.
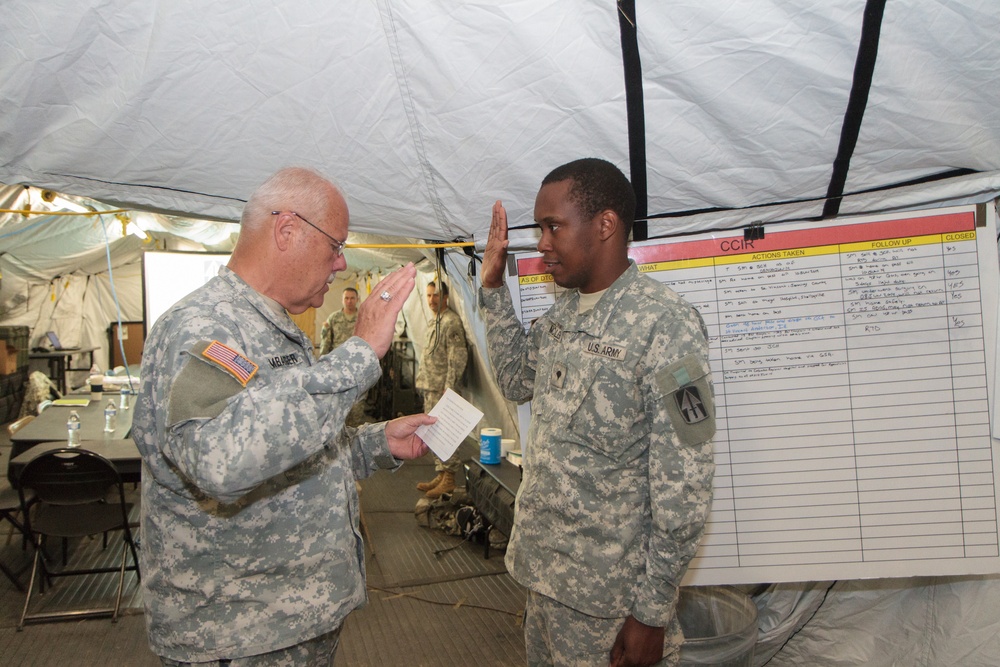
(289, 189)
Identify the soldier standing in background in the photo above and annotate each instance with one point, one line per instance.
(335, 332)
(340, 325)
(441, 366)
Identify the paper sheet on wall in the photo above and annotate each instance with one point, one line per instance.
(456, 418)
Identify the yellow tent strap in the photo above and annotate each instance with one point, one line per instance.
(86, 213)
(457, 244)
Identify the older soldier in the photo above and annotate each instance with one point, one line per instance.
(251, 549)
(340, 325)
(441, 366)
(618, 465)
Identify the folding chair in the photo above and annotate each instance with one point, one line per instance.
(77, 493)
(10, 509)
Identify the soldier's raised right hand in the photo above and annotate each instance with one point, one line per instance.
(495, 255)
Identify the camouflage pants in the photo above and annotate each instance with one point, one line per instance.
(316, 652)
(454, 463)
(557, 636)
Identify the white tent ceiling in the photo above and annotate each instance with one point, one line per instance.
(426, 111)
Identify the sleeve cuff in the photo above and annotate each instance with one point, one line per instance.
(656, 612)
(372, 439)
(492, 297)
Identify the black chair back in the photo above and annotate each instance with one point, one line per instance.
(69, 476)
(73, 497)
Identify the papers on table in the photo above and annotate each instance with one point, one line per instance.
(72, 402)
(456, 418)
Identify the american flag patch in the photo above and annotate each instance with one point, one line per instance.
(234, 362)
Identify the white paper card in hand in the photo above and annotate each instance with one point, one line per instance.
(456, 418)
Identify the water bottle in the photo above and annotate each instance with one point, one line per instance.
(73, 430)
(125, 392)
(110, 417)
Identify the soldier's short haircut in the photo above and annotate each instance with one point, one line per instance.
(292, 187)
(444, 286)
(597, 186)
(351, 289)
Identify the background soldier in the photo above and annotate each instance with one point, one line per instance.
(336, 330)
(441, 366)
(340, 325)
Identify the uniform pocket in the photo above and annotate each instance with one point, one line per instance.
(608, 415)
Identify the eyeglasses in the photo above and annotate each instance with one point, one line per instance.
(338, 246)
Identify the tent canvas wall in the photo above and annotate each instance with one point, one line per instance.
(426, 112)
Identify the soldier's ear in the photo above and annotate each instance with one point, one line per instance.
(608, 224)
(284, 225)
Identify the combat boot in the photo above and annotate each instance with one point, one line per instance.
(427, 486)
(446, 485)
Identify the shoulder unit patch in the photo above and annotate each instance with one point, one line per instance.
(687, 395)
(689, 402)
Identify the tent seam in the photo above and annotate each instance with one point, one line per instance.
(389, 29)
(145, 185)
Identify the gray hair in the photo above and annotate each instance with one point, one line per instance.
(289, 189)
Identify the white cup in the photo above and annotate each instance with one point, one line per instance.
(96, 383)
(507, 445)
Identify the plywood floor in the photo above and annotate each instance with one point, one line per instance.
(425, 609)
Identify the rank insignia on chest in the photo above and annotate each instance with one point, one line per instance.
(232, 361)
(689, 402)
(558, 376)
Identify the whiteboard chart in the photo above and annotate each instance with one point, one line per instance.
(853, 363)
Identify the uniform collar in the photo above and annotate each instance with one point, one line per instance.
(443, 313)
(260, 302)
(595, 321)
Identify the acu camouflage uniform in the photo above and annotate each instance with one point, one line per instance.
(618, 467)
(441, 366)
(250, 513)
(337, 329)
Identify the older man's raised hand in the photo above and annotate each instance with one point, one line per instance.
(377, 314)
